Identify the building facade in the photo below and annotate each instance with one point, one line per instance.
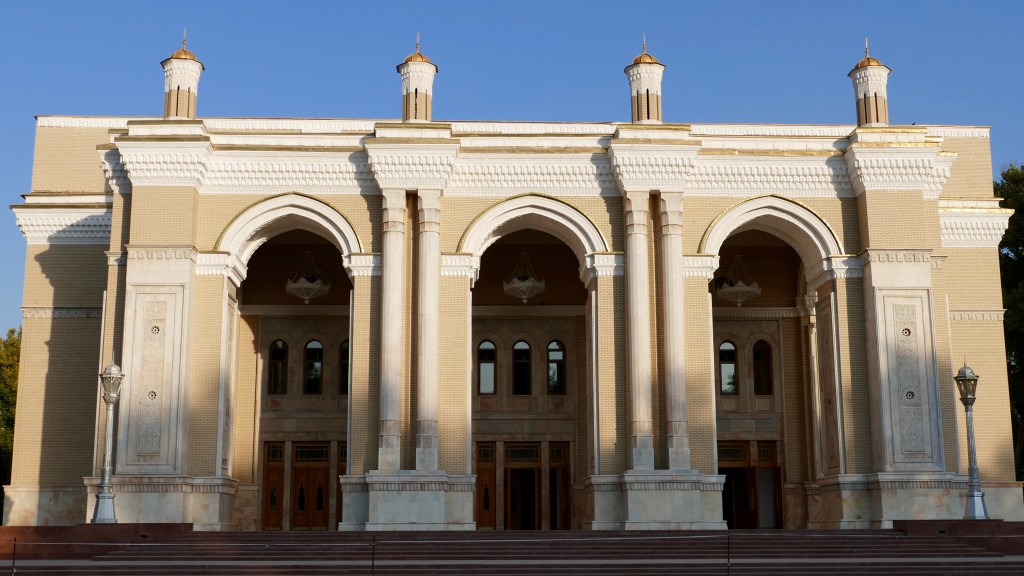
(419, 324)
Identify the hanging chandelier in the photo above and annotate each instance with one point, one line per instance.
(736, 285)
(523, 282)
(310, 281)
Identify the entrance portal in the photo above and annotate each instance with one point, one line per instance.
(521, 501)
(530, 495)
(752, 496)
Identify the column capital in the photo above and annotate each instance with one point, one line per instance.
(670, 205)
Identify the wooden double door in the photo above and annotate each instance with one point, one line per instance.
(304, 501)
(752, 495)
(531, 494)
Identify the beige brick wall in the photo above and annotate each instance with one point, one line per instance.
(612, 378)
(71, 275)
(891, 219)
(163, 216)
(57, 391)
(66, 160)
(971, 174)
(364, 393)
(204, 375)
(247, 392)
(856, 403)
(452, 407)
(700, 376)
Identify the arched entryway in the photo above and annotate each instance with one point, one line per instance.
(291, 363)
(778, 416)
(529, 364)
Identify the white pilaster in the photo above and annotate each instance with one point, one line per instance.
(639, 312)
(392, 282)
(674, 341)
(429, 335)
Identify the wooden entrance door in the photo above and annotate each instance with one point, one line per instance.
(311, 487)
(486, 487)
(272, 489)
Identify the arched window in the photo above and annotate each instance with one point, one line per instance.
(486, 356)
(278, 368)
(556, 367)
(313, 382)
(762, 368)
(343, 367)
(521, 369)
(727, 368)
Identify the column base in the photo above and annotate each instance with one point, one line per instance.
(656, 500)
(407, 500)
(208, 503)
(45, 505)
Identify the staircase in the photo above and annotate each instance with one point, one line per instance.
(470, 553)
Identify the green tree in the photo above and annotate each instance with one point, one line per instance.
(1011, 264)
(10, 353)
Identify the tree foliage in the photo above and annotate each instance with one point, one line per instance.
(1011, 264)
(10, 353)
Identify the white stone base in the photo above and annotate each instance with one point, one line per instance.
(656, 500)
(206, 503)
(1003, 500)
(45, 505)
(407, 500)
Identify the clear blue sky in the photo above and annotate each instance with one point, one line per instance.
(732, 61)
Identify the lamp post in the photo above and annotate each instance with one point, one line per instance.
(967, 384)
(111, 379)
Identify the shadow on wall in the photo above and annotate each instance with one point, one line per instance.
(58, 392)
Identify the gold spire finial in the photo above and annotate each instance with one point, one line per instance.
(645, 42)
(417, 42)
(866, 52)
(184, 38)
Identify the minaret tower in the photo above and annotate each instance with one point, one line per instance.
(417, 86)
(645, 87)
(181, 84)
(869, 79)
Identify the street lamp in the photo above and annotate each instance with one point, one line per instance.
(967, 384)
(111, 379)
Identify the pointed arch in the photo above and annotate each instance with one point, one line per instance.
(538, 213)
(801, 228)
(268, 218)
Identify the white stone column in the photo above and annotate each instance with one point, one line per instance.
(391, 354)
(673, 338)
(428, 336)
(638, 309)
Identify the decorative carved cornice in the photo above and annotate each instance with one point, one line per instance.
(57, 224)
(116, 258)
(221, 264)
(896, 256)
(161, 253)
(411, 166)
(466, 265)
(646, 167)
(794, 176)
(977, 315)
(700, 266)
(508, 174)
(901, 166)
(62, 312)
(114, 170)
(362, 265)
(310, 172)
(977, 224)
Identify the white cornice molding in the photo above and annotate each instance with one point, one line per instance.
(972, 224)
(977, 315)
(532, 128)
(598, 265)
(60, 312)
(115, 172)
(959, 131)
(109, 123)
(302, 125)
(58, 224)
(646, 167)
(700, 266)
(792, 176)
(362, 265)
(552, 174)
(461, 265)
(166, 163)
(162, 253)
(221, 264)
(773, 130)
(411, 166)
(238, 172)
(921, 168)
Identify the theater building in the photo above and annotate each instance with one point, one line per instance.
(331, 324)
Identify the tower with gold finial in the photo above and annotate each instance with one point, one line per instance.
(417, 86)
(645, 87)
(181, 83)
(869, 80)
